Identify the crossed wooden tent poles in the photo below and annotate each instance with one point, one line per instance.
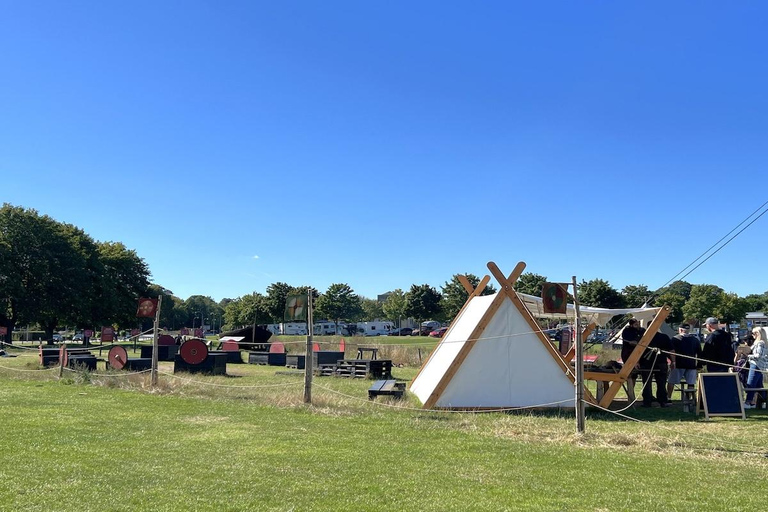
(507, 285)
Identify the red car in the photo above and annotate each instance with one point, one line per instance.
(438, 333)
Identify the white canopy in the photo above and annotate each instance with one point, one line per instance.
(600, 316)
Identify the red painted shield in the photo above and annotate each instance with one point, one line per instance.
(166, 339)
(194, 351)
(342, 345)
(275, 348)
(117, 357)
(315, 347)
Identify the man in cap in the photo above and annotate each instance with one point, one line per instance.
(718, 352)
(687, 350)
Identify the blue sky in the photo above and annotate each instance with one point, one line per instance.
(383, 144)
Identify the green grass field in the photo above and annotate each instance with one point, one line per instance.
(247, 442)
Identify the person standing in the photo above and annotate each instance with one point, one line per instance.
(718, 351)
(630, 336)
(687, 351)
(758, 363)
(653, 367)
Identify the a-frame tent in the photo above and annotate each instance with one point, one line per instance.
(495, 355)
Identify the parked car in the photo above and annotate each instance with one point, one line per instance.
(403, 331)
(78, 337)
(438, 333)
(424, 331)
(57, 338)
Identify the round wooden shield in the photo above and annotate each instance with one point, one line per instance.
(166, 339)
(117, 357)
(63, 355)
(277, 348)
(194, 351)
(230, 346)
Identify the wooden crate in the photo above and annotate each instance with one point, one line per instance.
(215, 364)
(269, 358)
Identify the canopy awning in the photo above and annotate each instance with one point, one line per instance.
(600, 316)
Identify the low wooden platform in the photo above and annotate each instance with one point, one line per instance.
(386, 388)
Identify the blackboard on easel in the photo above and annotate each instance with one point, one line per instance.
(720, 395)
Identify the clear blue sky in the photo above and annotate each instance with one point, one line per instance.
(381, 144)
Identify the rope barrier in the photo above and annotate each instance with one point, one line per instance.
(213, 384)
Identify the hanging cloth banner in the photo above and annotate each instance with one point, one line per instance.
(295, 308)
(554, 297)
(147, 308)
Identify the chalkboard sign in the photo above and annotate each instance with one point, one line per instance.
(720, 395)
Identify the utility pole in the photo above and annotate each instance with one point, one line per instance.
(308, 353)
(579, 362)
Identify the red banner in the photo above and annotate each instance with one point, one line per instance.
(184, 331)
(198, 333)
(87, 333)
(135, 332)
(3, 331)
(107, 334)
(147, 308)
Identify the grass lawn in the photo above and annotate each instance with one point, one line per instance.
(246, 442)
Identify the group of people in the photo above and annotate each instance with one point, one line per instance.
(671, 361)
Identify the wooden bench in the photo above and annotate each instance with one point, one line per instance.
(386, 388)
(362, 350)
(761, 396)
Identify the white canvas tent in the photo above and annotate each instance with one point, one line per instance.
(495, 355)
(507, 367)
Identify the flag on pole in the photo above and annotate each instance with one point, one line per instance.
(295, 308)
(147, 308)
(555, 298)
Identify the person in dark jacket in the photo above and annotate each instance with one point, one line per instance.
(653, 367)
(629, 338)
(687, 351)
(718, 351)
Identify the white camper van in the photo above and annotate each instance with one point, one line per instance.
(294, 329)
(375, 328)
(328, 328)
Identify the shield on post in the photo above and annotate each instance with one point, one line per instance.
(554, 297)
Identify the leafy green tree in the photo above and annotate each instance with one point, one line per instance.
(25, 265)
(277, 294)
(757, 302)
(530, 283)
(394, 306)
(675, 303)
(703, 301)
(678, 287)
(423, 302)
(600, 294)
(454, 294)
(636, 296)
(371, 309)
(339, 302)
(201, 310)
(732, 308)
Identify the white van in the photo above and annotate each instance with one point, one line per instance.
(375, 328)
(293, 329)
(328, 328)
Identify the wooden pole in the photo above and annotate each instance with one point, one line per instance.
(579, 362)
(154, 341)
(308, 354)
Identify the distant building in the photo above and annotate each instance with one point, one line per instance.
(756, 319)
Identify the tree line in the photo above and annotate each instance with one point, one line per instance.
(54, 274)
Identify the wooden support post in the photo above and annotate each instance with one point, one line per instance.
(630, 363)
(579, 363)
(308, 353)
(153, 379)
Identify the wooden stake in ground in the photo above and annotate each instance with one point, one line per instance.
(579, 362)
(308, 353)
(154, 341)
